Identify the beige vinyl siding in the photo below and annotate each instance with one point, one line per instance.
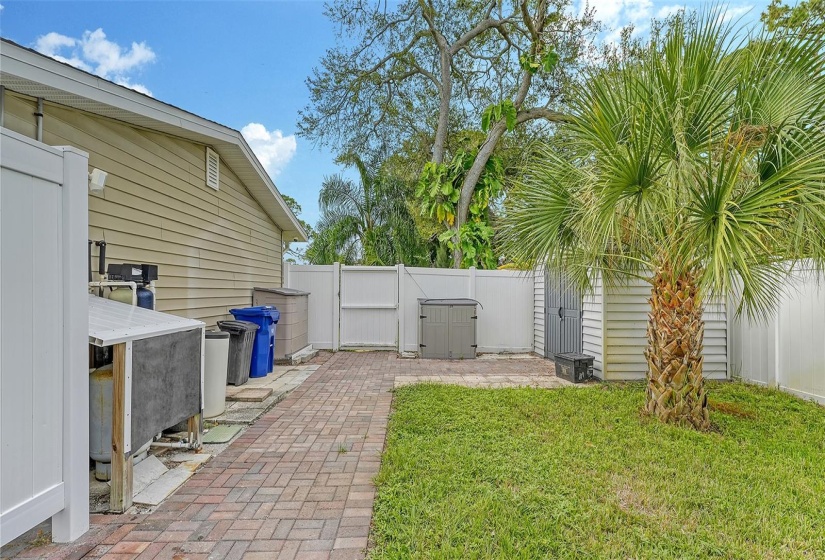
(211, 247)
(592, 326)
(626, 310)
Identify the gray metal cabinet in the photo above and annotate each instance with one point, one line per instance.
(447, 328)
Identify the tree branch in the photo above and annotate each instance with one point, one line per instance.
(396, 54)
(541, 113)
(480, 28)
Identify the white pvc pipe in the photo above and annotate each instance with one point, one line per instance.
(173, 444)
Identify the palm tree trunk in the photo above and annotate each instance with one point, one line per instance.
(675, 334)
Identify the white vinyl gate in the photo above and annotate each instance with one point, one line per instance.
(44, 391)
(369, 306)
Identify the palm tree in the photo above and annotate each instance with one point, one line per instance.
(366, 223)
(698, 165)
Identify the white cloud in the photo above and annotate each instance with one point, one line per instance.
(667, 11)
(273, 149)
(617, 14)
(95, 53)
(736, 12)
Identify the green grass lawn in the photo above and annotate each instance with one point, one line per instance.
(579, 473)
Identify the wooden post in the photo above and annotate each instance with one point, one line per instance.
(120, 498)
(195, 430)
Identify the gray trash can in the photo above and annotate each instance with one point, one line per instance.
(241, 339)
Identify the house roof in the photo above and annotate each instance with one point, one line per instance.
(28, 72)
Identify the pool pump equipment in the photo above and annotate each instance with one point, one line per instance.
(129, 283)
(143, 275)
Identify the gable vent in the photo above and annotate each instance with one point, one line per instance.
(213, 168)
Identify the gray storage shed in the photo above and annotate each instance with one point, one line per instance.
(292, 332)
(447, 328)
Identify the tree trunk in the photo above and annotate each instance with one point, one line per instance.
(468, 187)
(675, 334)
(446, 94)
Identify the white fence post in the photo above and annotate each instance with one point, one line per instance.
(73, 520)
(775, 380)
(400, 302)
(287, 270)
(471, 280)
(336, 306)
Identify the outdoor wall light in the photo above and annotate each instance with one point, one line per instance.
(97, 180)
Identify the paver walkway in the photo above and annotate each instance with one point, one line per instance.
(298, 482)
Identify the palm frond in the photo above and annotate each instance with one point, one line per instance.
(707, 153)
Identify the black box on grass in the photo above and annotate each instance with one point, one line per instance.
(574, 367)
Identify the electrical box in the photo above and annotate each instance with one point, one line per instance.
(447, 328)
(574, 367)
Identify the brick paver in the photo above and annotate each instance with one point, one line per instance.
(298, 482)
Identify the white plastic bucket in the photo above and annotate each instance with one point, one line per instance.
(216, 359)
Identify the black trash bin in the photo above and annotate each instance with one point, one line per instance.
(241, 339)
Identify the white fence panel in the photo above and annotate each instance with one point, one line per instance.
(505, 324)
(433, 283)
(789, 351)
(369, 306)
(43, 345)
(321, 281)
(378, 306)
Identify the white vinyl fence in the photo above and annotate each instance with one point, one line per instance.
(44, 385)
(377, 307)
(788, 351)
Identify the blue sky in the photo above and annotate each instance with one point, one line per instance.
(242, 64)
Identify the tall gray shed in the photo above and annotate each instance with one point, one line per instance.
(292, 332)
(447, 328)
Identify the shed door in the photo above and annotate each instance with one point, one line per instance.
(434, 331)
(562, 316)
(462, 332)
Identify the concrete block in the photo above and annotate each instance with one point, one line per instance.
(164, 486)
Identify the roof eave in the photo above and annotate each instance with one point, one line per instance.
(30, 66)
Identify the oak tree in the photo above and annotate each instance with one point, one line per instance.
(433, 67)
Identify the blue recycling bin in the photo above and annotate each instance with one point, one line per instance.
(263, 349)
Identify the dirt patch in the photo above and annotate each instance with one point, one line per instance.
(732, 409)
